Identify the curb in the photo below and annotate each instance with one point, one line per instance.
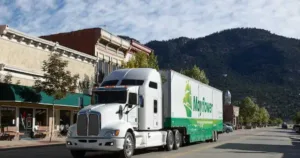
(31, 146)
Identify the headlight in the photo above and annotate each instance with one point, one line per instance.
(112, 133)
(69, 134)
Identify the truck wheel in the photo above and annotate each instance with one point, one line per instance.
(177, 139)
(170, 140)
(129, 146)
(78, 153)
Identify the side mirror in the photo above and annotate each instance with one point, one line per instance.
(129, 105)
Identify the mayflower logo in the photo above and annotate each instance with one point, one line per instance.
(187, 100)
(190, 105)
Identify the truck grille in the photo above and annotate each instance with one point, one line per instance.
(88, 124)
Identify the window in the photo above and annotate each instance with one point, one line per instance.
(65, 117)
(153, 85)
(75, 116)
(141, 101)
(41, 117)
(155, 106)
(106, 97)
(8, 116)
(132, 98)
(132, 82)
(109, 83)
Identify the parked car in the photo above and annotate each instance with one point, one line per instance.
(227, 128)
(296, 128)
(284, 125)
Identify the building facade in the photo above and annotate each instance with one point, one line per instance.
(22, 109)
(231, 114)
(110, 50)
(90, 52)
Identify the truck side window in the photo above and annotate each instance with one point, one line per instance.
(141, 101)
(132, 98)
(153, 85)
(155, 106)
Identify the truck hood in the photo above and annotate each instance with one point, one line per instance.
(107, 111)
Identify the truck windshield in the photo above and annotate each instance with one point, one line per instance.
(105, 97)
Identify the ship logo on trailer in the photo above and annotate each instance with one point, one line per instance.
(187, 100)
(192, 103)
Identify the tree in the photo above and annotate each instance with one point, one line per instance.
(296, 118)
(247, 110)
(57, 81)
(7, 79)
(85, 84)
(265, 116)
(142, 60)
(196, 74)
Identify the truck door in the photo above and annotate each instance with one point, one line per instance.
(132, 116)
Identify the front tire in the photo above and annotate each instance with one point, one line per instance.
(78, 153)
(170, 140)
(129, 146)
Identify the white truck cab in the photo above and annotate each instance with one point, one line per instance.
(125, 114)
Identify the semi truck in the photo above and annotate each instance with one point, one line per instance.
(142, 108)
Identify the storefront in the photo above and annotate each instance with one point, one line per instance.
(23, 111)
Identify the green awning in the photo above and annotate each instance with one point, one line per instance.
(17, 93)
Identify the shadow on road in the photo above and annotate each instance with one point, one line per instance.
(288, 151)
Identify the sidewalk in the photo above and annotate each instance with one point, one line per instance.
(6, 145)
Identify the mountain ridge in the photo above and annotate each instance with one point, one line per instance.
(258, 63)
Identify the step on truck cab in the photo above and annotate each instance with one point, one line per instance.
(141, 108)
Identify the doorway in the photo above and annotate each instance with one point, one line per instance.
(26, 121)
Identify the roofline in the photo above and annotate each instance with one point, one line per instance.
(11, 33)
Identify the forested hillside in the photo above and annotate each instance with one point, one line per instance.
(257, 63)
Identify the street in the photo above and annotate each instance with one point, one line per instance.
(258, 143)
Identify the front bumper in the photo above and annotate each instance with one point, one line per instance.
(95, 144)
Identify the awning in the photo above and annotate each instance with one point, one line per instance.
(17, 93)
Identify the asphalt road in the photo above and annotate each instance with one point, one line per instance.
(259, 143)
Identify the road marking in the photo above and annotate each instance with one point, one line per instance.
(211, 146)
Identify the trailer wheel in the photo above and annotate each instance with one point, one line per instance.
(170, 140)
(78, 153)
(129, 146)
(177, 137)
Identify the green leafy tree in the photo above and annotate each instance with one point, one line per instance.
(7, 79)
(196, 74)
(142, 60)
(86, 84)
(296, 118)
(57, 81)
(265, 116)
(248, 110)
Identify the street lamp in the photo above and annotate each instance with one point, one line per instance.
(227, 94)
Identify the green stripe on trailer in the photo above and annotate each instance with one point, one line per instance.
(198, 129)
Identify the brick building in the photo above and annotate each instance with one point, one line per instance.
(110, 50)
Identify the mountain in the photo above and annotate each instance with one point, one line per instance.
(257, 62)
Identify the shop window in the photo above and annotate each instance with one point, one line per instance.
(65, 117)
(75, 116)
(8, 116)
(41, 117)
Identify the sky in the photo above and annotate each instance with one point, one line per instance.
(147, 20)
